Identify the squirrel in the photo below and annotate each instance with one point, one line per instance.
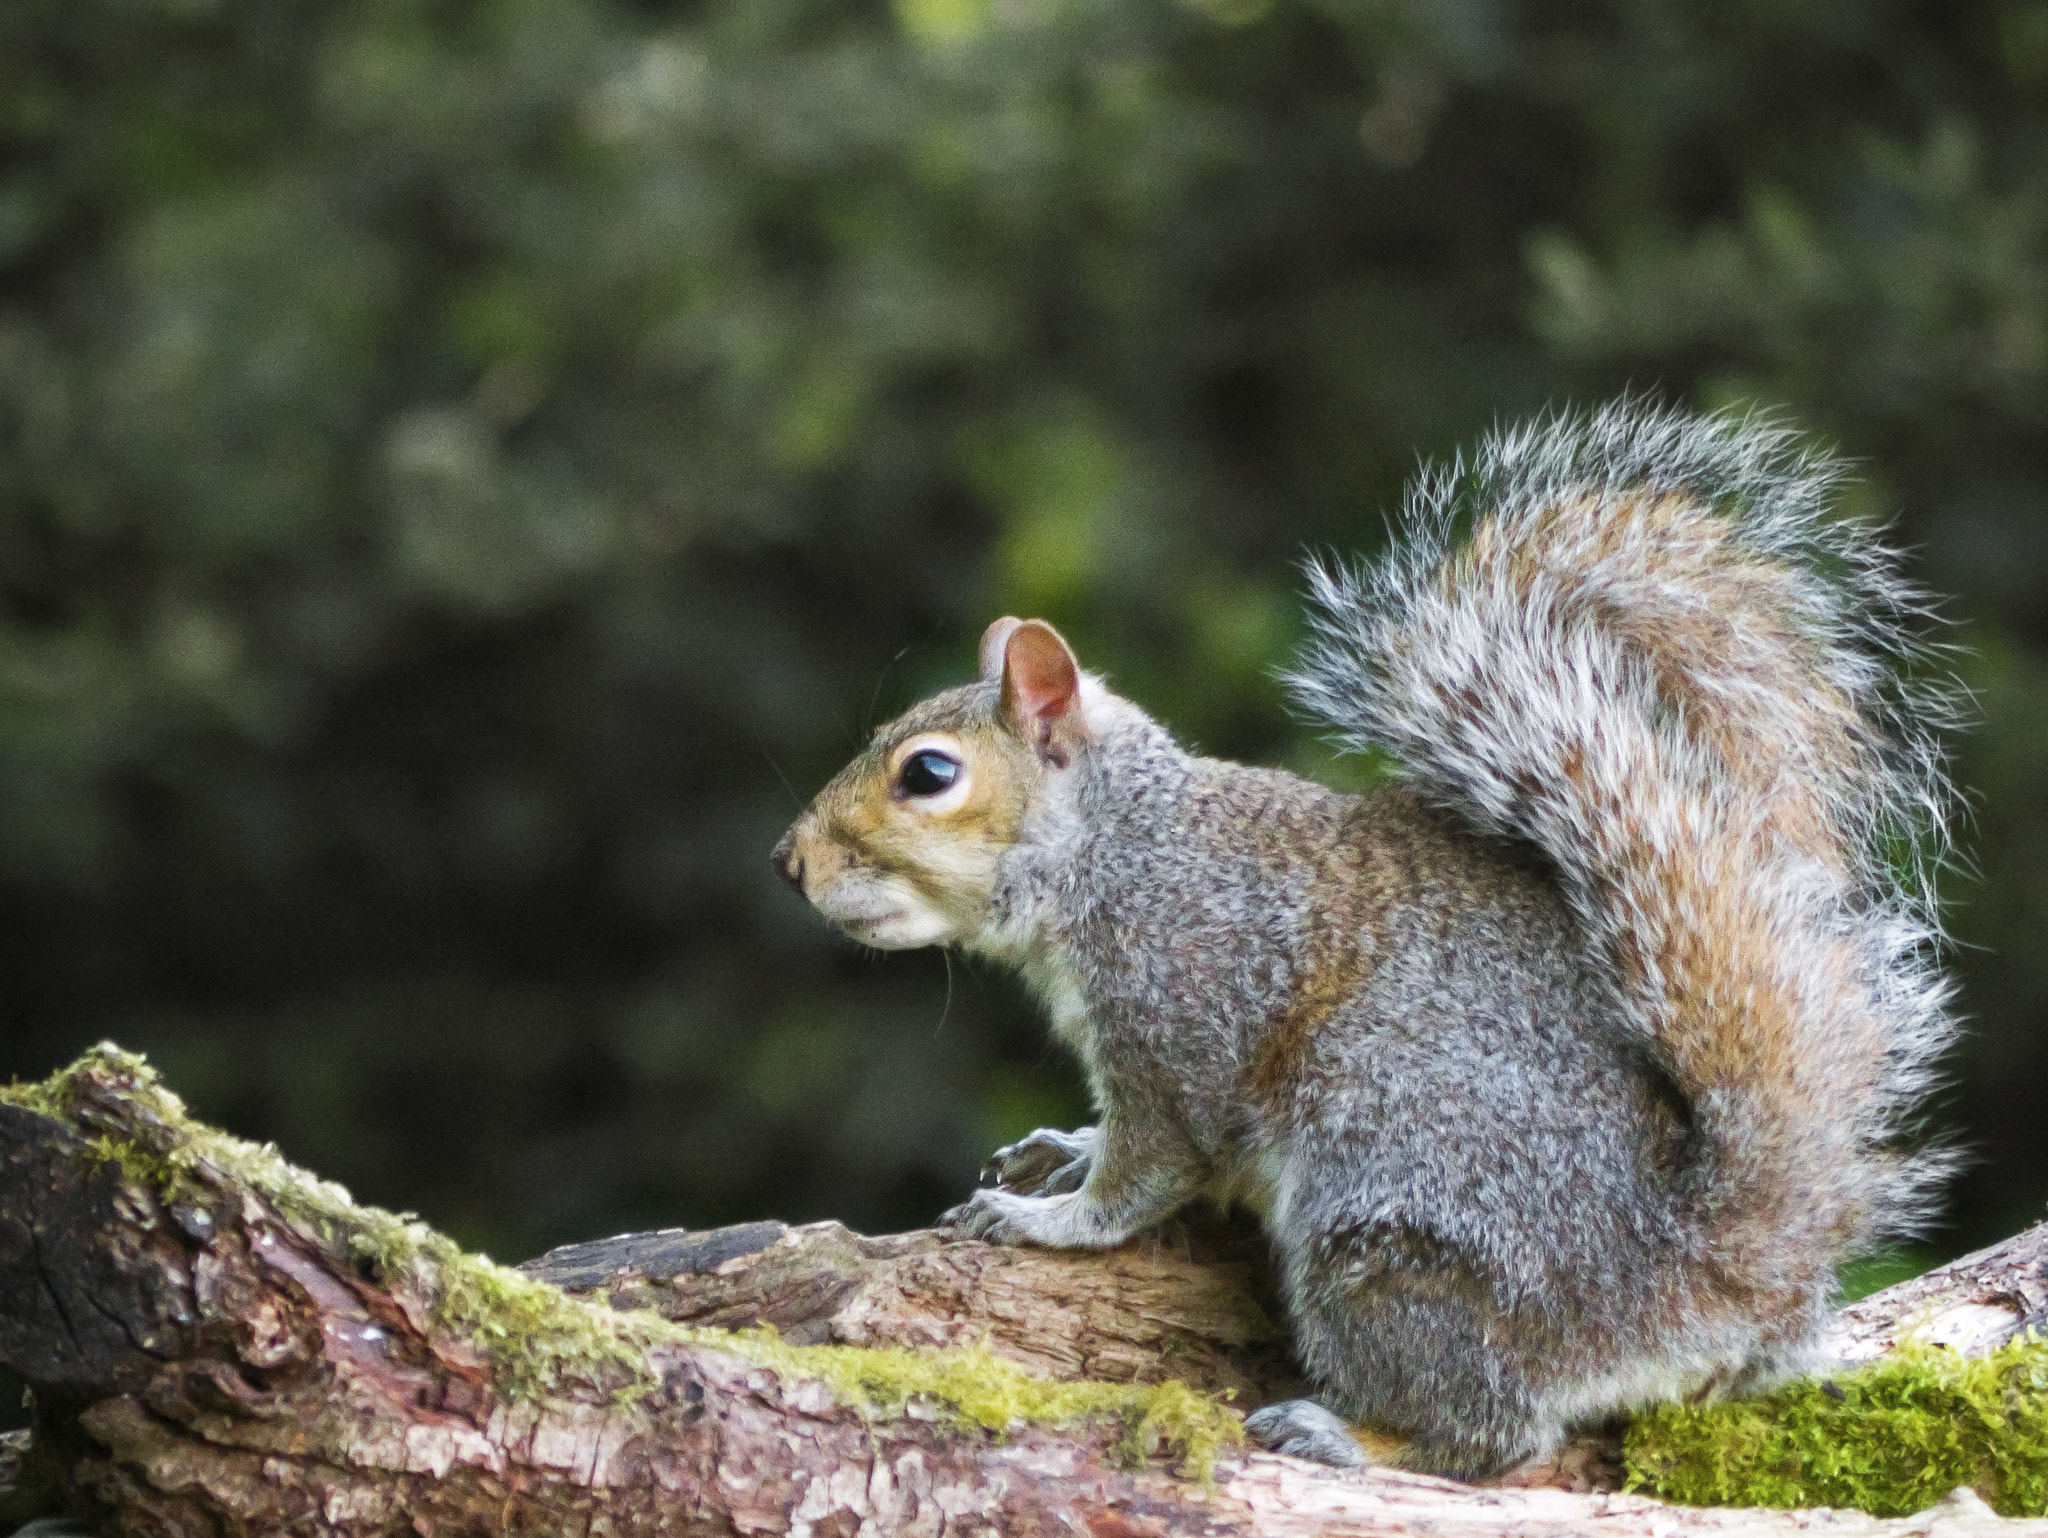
(1567, 1068)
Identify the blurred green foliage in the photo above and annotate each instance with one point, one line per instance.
(461, 460)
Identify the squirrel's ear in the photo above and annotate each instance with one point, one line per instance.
(993, 642)
(1041, 686)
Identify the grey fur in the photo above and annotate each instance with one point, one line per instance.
(1434, 1035)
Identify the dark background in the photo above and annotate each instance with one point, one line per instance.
(467, 469)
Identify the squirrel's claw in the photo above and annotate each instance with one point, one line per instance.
(1301, 1428)
(982, 1216)
(1009, 1217)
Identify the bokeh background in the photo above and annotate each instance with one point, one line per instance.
(468, 467)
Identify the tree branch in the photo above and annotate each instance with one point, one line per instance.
(1973, 1305)
(221, 1344)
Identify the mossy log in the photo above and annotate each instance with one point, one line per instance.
(220, 1344)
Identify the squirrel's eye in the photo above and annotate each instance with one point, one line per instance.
(928, 773)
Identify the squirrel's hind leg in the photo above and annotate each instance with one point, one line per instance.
(1398, 1331)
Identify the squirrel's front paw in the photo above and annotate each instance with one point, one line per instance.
(1048, 1163)
(1003, 1217)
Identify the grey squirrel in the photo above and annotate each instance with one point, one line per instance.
(1565, 1072)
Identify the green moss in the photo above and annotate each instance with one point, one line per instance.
(1890, 1438)
(539, 1339)
(31, 1097)
(978, 1388)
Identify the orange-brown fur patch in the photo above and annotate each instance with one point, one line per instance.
(1684, 545)
(1338, 953)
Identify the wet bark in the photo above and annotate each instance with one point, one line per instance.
(210, 1359)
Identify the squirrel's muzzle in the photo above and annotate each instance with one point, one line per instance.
(789, 865)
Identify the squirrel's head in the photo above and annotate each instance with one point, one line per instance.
(900, 850)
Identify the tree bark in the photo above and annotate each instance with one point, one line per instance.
(1972, 1305)
(211, 1354)
(1190, 1300)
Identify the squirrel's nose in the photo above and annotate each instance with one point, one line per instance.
(788, 864)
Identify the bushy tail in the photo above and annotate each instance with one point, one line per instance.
(1659, 658)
